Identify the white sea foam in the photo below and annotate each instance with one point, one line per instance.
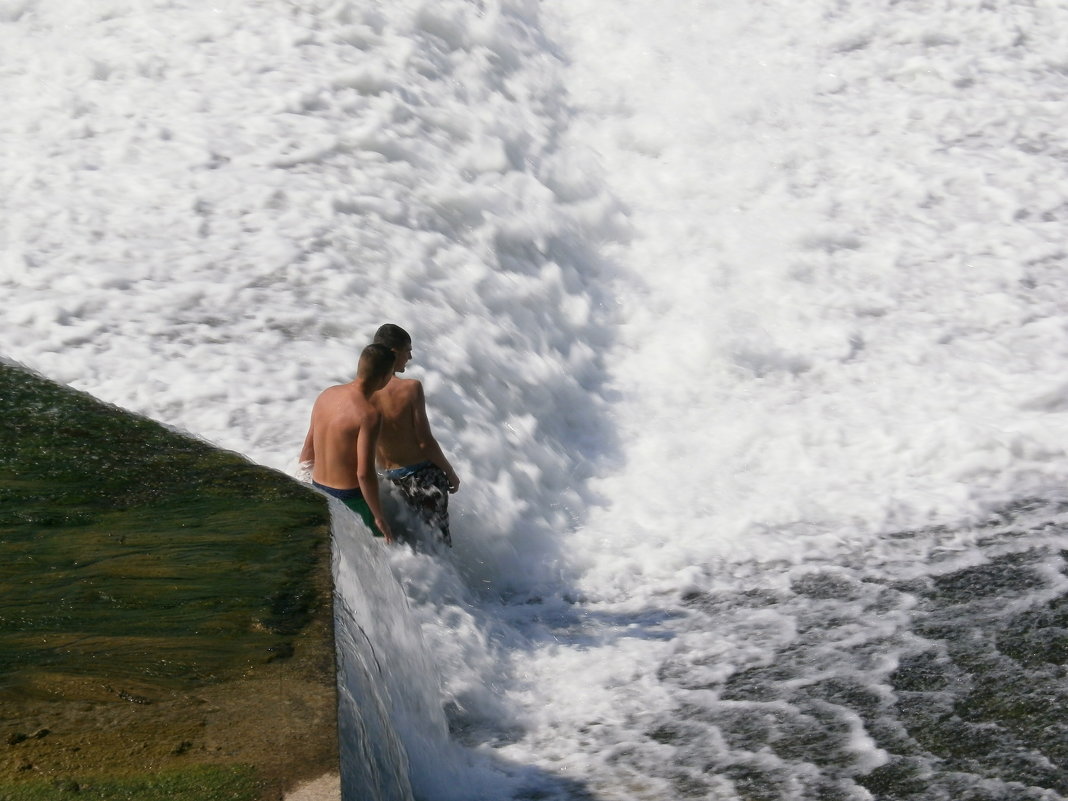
(712, 304)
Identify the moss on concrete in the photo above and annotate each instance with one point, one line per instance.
(165, 610)
(199, 783)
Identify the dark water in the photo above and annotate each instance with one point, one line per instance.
(939, 675)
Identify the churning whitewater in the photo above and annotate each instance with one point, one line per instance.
(743, 326)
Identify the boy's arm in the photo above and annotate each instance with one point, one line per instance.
(425, 438)
(306, 460)
(366, 441)
(307, 453)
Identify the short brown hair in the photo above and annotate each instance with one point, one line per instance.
(392, 336)
(376, 362)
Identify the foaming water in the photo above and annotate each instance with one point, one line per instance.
(423, 679)
(743, 330)
(390, 714)
(828, 288)
(252, 191)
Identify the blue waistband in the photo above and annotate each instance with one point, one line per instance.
(404, 472)
(340, 494)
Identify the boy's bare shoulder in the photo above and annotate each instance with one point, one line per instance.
(337, 389)
(327, 396)
(406, 387)
(344, 403)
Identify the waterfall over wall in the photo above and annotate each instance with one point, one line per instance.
(390, 707)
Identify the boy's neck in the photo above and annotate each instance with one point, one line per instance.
(360, 385)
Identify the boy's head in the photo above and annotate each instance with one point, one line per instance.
(397, 340)
(376, 365)
(392, 336)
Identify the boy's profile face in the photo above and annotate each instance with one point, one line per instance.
(403, 355)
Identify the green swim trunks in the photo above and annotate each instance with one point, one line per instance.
(353, 499)
(360, 507)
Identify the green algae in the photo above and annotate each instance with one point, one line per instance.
(203, 783)
(159, 600)
(117, 530)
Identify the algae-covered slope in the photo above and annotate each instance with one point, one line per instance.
(165, 610)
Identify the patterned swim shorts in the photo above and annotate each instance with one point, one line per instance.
(426, 489)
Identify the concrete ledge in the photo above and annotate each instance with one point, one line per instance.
(325, 788)
(165, 613)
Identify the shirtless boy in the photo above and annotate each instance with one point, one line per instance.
(407, 450)
(342, 437)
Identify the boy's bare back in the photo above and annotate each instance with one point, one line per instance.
(402, 412)
(342, 418)
(342, 436)
(405, 438)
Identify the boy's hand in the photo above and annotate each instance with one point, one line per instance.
(387, 532)
(454, 481)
